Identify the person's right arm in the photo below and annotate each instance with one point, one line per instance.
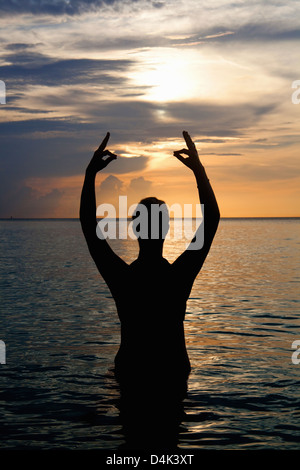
(109, 264)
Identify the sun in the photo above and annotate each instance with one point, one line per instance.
(167, 76)
(167, 81)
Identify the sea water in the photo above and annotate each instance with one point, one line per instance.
(60, 329)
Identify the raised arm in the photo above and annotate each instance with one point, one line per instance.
(191, 261)
(108, 263)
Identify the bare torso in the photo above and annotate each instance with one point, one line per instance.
(151, 305)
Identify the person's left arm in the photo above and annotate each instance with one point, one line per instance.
(189, 263)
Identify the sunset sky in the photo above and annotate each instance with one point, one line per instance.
(145, 71)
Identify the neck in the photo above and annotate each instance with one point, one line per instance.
(151, 249)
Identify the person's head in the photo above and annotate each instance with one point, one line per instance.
(151, 220)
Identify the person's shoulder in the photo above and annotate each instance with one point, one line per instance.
(133, 263)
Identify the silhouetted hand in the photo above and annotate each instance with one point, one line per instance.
(97, 163)
(192, 161)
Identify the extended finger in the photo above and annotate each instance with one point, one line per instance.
(104, 142)
(189, 142)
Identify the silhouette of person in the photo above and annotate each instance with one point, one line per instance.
(152, 364)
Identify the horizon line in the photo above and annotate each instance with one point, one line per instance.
(129, 218)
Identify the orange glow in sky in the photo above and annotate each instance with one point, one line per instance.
(146, 72)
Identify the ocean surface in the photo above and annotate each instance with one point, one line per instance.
(61, 331)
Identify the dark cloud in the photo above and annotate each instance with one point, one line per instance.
(219, 120)
(30, 126)
(30, 67)
(17, 46)
(61, 147)
(205, 37)
(111, 183)
(126, 165)
(211, 141)
(158, 4)
(33, 204)
(266, 31)
(112, 187)
(136, 41)
(29, 155)
(261, 31)
(64, 7)
(17, 199)
(58, 7)
(142, 119)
